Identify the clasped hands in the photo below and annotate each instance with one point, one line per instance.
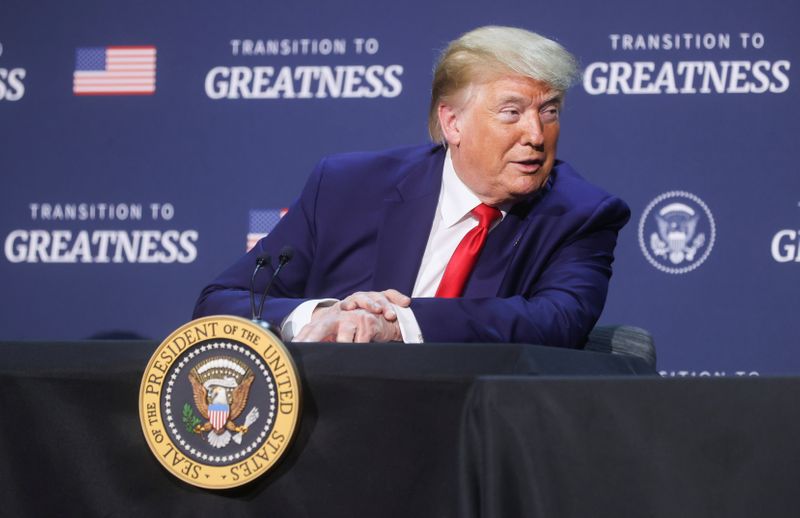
(364, 316)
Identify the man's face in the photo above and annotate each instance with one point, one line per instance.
(503, 137)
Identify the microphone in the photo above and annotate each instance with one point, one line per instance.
(287, 252)
(261, 261)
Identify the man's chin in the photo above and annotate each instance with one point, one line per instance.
(534, 183)
(523, 194)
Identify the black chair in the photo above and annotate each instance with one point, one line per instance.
(624, 340)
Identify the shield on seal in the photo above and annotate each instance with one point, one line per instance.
(218, 415)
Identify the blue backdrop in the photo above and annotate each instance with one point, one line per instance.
(116, 209)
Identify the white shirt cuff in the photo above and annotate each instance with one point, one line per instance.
(297, 319)
(409, 328)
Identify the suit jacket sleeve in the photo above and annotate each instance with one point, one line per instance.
(558, 306)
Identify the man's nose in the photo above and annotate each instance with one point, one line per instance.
(533, 134)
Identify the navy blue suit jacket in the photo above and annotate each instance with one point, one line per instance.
(362, 223)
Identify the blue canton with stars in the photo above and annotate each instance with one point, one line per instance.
(262, 221)
(90, 58)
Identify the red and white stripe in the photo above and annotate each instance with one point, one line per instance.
(218, 418)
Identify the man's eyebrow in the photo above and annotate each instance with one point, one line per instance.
(512, 98)
(555, 97)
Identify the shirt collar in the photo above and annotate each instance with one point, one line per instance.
(457, 200)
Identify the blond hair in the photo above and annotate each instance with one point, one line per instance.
(493, 50)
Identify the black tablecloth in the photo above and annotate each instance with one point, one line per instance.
(632, 447)
(406, 430)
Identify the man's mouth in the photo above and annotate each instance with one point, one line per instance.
(531, 165)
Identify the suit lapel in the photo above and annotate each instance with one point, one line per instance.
(490, 278)
(498, 253)
(406, 225)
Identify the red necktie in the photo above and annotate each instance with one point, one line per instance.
(466, 254)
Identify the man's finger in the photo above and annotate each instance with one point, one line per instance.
(347, 331)
(304, 333)
(368, 326)
(302, 336)
(363, 300)
(363, 335)
(372, 301)
(395, 297)
(317, 331)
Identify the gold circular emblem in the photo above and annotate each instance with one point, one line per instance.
(219, 402)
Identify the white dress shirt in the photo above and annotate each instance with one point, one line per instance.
(451, 222)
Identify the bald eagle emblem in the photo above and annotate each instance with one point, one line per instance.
(221, 386)
(677, 232)
(676, 239)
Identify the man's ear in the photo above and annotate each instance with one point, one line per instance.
(449, 122)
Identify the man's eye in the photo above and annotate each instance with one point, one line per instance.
(550, 114)
(510, 113)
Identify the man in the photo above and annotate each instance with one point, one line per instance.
(492, 237)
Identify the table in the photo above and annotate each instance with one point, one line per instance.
(434, 430)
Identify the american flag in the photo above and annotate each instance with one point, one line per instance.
(115, 71)
(262, 221)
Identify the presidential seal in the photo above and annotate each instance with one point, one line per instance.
(219, 402)
(676, 232)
